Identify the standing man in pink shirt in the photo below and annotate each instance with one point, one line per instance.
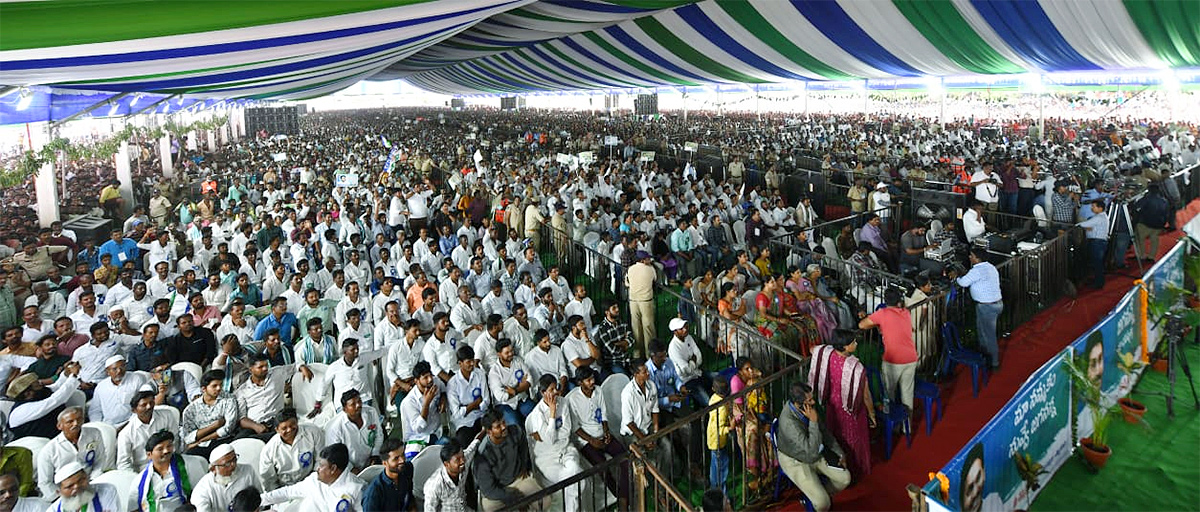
(899, 351)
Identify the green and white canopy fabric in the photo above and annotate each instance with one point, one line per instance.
(302, 49)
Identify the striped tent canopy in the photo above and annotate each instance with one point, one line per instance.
(302, 49)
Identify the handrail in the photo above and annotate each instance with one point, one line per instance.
(680, 422)
(742, 328)
(609, 464)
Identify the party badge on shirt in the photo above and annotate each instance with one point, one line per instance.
(305, 459)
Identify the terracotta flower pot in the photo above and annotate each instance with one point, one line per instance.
(1132, 409)
(1159, 365)
(1096, 456)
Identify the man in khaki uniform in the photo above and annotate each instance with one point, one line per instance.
(640, 280)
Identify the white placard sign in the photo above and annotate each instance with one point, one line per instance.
(646, 156)
(346, 180)
(690, 146)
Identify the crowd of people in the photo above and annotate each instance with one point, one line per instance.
(268, 274)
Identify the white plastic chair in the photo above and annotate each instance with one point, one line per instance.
(173, 415)
(125, 482)
(191, 368)
(33, 444)
(108, 436)
(305, 394)
(77, 399)
(424, 465)
(739, 234)
(610, 391)
(6, 407)
(1039, 213)
(369, 473)
(248, 450)
(196, 466)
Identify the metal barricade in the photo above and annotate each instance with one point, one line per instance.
(863, 285)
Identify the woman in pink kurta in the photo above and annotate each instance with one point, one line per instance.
(839, 380)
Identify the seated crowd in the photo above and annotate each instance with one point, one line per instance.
(347, 327)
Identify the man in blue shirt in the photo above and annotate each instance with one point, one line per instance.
(984, 281)
(671, 396)
(1096, 193)
(278, 319)
(393, 488)
(1096, 229)
(122, 249)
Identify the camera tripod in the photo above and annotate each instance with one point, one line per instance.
(1174, 338)
(1117, 211)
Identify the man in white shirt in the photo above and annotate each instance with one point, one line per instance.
(260, 397)
(358, 428)
(550, 429)
(973, 222)
(332, 487)
(146, 420)
(509, 380)
(498, 301)
(557, 284)
(639, 411)
(467, 395)
(347, 373)
(422, 410)
(290, 454)
(225, 478)
(440, 347)
(589, 417)
(74, 443)
(689, 362)
(578, 348)
(520, 328)
(485, 344)
(11, 500)
(111, 400)
(987, 186)
(581, 305)
(545, 359)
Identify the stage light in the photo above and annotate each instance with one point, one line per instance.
(26, 99)
(1169, 81)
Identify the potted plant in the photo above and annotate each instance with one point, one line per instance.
(1132, 409)
(1095, 448)
(1030, 471)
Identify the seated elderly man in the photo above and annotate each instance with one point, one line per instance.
(225, 478)
(110, 401)
(75, 443)
(77, 493)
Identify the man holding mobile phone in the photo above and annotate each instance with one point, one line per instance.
(807, 451)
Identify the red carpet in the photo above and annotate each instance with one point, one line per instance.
(1026, 350)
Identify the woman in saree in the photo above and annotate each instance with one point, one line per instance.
(839, 381)
(772, 319)
(704, 292)
(802, 285)
(732, 308)
(752, 424)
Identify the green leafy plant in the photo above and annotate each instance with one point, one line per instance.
(1128, 363)
(1029, 470)
(1090, 395)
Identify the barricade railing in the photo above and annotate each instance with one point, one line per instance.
(680, 453)
(595, 487)
(864, 285)
(1187, 181)
(740, 337)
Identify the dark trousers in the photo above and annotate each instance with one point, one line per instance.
(465, 434)
(1008, 202)
(1025, 201)
(1095, 257)
(618, 484)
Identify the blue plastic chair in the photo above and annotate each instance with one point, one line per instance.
(896, 415)
(957, 354)
(783, 476)
(929, 393)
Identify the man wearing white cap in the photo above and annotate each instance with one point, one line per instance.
(110, 401)
(105, 344)
(224, 479)
(75, 443)
(77, 493)
(689, 362)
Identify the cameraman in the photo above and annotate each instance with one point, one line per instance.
(1094, 194)
(1153, 215)
(987, 186)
